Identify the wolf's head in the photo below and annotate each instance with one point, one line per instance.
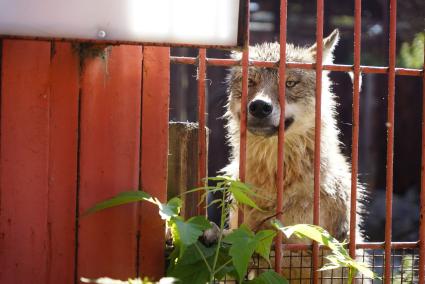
(263, 108)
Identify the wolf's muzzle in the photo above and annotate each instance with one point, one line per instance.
(260, 109)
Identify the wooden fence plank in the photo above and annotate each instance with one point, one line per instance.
(156, 84)
(24, 162)
(183, 164)
(109, 160)
(63, 125)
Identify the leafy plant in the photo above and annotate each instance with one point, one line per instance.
(193, 262)
(412, 54)
(339, 256)
(407, 273)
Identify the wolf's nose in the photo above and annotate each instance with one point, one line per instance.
(260, 108)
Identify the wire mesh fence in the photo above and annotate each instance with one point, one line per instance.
(297, 267)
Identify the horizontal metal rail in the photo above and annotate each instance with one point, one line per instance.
(363, 245)
(271, 64)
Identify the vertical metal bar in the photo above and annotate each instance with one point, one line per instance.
(244, 98)
(318, 113)
(390, 140)
(281, 136)
(355, 129)
(422, 214)
(201, 131)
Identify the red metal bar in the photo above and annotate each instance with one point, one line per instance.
(422, 214)
(281, 136)
(271, 64)
(390, 140)
(398, 71)
(317, 130)
(244, 98)
(355, 129)
(202, 169)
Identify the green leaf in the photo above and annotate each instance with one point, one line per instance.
(192, 255)
(221, 178)
(363, 269)
(314, 233)
(120, 199)
(243, 246)
(268, 277)
(170, 209)
(187, 233)
(191, 267)
(241, 185)
(187, 274)
(329, 266)
(224, 262)
(240, 196)
(201, 188)
(217, 201)
(166, 210)
(339, 257)
(265, 239)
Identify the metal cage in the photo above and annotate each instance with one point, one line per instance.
(386, 257)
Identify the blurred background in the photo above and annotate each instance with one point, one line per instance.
(301, 29)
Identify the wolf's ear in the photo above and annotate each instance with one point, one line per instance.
(329, 44)
(237, 55)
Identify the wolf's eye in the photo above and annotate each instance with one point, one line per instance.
(251, 82)
(290, 83)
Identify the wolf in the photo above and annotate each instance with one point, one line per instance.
(263, 119)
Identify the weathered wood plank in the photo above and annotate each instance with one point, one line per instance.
(24, 232)
(156, 90)
(62, 182)
(183, 164)
(109, 160)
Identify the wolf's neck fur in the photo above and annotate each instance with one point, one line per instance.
(262, 156)
(262, 153)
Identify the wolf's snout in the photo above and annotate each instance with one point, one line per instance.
(260, 109)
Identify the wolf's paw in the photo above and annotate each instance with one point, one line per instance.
(168, 237)
(211, 235)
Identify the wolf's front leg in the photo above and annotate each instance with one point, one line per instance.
(211, 235)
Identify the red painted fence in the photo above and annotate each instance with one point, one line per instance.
(80, 124)
(72, 134)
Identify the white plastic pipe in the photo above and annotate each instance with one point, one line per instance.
(203, 22)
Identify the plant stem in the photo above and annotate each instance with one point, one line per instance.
(221, 267)
(203, 257)
(220, 237)
(351, 273)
